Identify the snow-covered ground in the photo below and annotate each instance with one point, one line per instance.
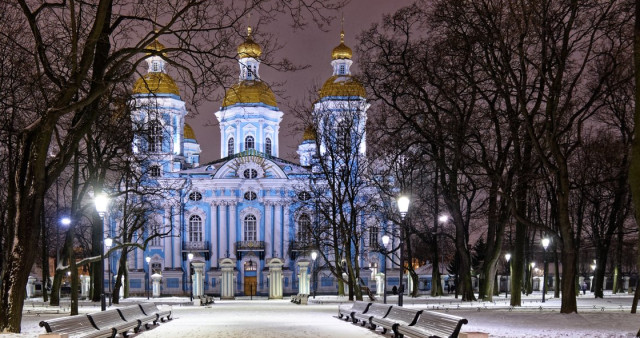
(608, 317)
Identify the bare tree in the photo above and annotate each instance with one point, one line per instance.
(73, 53)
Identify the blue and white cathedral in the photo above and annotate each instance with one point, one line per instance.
(233, 223)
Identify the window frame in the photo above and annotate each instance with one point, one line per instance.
(196, 231)
(250, 229)
(249, 142)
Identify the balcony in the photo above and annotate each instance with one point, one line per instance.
(245, 247)
(298, 248)
(196, 247)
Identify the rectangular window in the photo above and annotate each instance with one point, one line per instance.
(173, 283)
(326, 281)
(373, 236)
(135, 283)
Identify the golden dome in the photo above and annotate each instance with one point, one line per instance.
(341, 51)
(249, 48)
(249, 91)
(309, 134)
(342, 85)
(188, 132)
(156, 83)
(156, 46)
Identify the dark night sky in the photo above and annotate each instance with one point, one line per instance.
(310, 46)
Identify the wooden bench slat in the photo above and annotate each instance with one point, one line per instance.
(151, 308)
(431, 323)
(396, 316)
(112, 319)
(375, 310)
(76, 326)
(356, 307)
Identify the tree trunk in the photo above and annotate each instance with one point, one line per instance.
(634, 168)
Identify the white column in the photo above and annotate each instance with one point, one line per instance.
(139, 256)
(277, 238)
(177, 245)
(285, 239)
(166, 241)
(85, 282)
(198, 279)
(233, 237)
(380, 284)
(223, 230)
(214, 233)
(156, 278)
(275, 278)
(31, 287)
(227, 284)
(303, 281)
(267, 230)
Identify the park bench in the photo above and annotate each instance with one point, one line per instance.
(397, 316)
(300, 298)
(206, 300)
(357, 306)
(112, 319)
(432, 324)
(151, 309)
(134, 312)
(76, 326)
(375, 310)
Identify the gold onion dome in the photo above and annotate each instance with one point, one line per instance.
(155, 46)
(156, 83)
(249, 48)
(188, 132)
(249, 91)
(309, 134)
(341, 51)
(342, 85)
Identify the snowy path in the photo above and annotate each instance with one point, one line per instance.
(597, 318)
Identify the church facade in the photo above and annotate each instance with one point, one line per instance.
(234, 224)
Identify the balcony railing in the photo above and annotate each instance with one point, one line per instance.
(202, 247)
(245, 247)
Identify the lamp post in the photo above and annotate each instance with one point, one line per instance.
(148, 259)
(385, 242)
(507, 257)
(108, 242)
(102, 204)
(190, 256)
(403, 207)
(314, 255)
(545, 244)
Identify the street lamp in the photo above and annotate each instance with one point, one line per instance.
(108, 242)
(385, 241)
(190, 256)
(102, 204)
(545, 245)
(507, 257)
(314, 255)
(148, 259)
(403, 207)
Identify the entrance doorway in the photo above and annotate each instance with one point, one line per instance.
(250, 278)
(250, 285)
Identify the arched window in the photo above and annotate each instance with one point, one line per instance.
(249, 143)
(195, 229)
(155, 171)
(267, 146)
(230, 146)
(155, 137)
(250, 228)
(304, 229)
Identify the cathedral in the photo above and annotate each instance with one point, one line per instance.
(234, 223)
